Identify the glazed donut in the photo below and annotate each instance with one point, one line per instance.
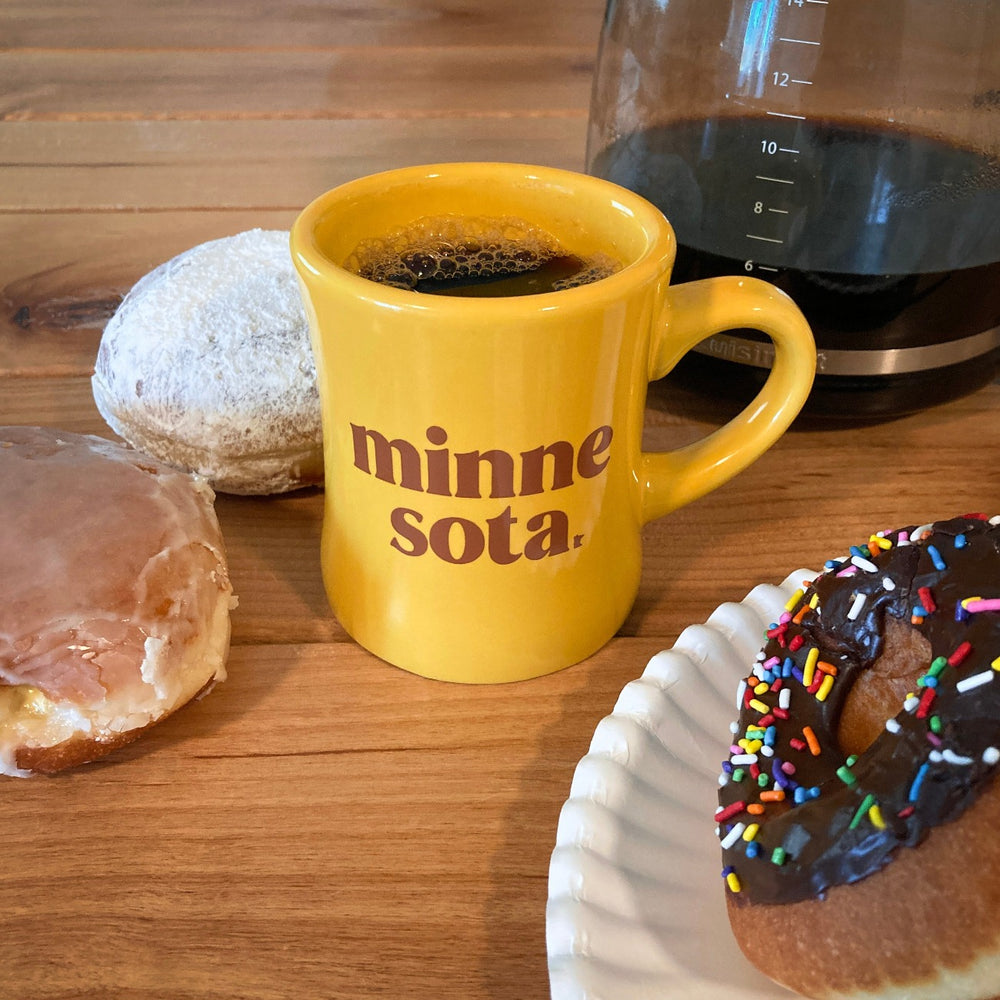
(207, 365)
(116, 596)
(858, 811)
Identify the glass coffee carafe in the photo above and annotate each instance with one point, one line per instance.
(847, 151)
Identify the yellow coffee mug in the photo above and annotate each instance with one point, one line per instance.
(485, 485)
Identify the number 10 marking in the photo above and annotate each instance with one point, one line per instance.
(770, 147)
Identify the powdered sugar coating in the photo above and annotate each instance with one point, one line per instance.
(207, 365)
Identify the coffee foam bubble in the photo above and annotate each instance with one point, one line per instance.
(444, 247)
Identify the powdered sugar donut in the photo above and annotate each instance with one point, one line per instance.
(116, 596)
(207, 365)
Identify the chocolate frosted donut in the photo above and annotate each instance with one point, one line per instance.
(867, 739)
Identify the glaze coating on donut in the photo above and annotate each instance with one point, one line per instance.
(798, 813)
(116, 596)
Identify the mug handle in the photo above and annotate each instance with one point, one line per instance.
(693, 311)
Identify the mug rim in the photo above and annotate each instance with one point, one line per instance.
(654, 261)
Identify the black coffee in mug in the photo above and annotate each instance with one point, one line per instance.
(481, 257)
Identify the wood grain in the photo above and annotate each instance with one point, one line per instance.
(813, 495)
(262, 83)
(215, 24)
(71, 270)
(229, 856)
(234, 165)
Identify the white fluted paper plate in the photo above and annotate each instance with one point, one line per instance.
(636, 908)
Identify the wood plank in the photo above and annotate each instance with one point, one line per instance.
(307, 23)
(52, 166)
(272, 547)
(177, 184)
(70, 271)
(280, 818)
(825, 492)
(272, 543)
(820, 489)
(353, 83)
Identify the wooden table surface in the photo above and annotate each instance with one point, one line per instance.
(324, 825)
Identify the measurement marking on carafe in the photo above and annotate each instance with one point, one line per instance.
(782, 114)
(798, 41)
(779, 211)
(763, 239)
(780, 78)
(773, 180)
(785, 149)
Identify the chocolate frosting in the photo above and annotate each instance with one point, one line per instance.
(841, 818)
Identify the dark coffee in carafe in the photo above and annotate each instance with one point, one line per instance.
(888, 240)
